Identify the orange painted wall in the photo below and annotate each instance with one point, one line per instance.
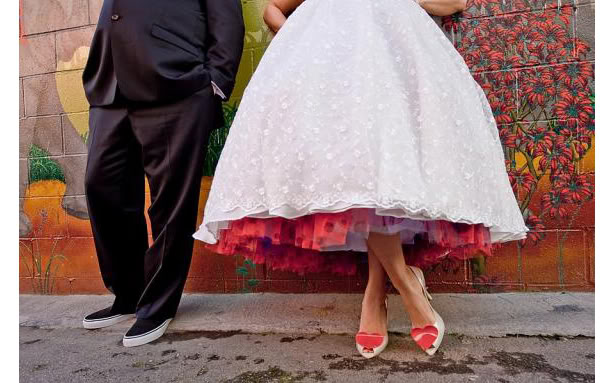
(534, 58)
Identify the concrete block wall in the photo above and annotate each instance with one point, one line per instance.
(534, 59)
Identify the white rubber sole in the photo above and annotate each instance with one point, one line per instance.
(149, 336)
(94, 324)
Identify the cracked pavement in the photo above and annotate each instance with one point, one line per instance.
(77, 355)
(500, 338)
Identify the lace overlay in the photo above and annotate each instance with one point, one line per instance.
(363, 104)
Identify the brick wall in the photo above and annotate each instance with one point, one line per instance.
(534, 58)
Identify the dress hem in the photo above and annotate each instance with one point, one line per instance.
(207, 234)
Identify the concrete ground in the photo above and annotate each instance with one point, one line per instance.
(536, 337)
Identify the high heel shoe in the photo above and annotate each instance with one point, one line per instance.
(371, 344)
(429, 337)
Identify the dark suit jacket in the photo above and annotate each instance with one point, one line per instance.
(158, 51)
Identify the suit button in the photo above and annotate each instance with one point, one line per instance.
(115, 17)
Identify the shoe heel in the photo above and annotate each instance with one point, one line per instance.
(421, 277)
(429, 297)
(386, 309)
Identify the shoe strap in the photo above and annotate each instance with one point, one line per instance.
(424, 290)
(421, 282)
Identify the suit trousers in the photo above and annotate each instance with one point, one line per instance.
(167, 144)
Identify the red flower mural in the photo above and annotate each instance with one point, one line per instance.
(575, 74)
(574, 107)
(537, 229)
(516, 40)
(519, 179)
(532, 69)
(582, 48)
(502, 112)
(540, 139)
(539, 88)
(554, 205)
(576, 187)
(512, 139)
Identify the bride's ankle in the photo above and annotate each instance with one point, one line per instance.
(411, 293)
(373, 298)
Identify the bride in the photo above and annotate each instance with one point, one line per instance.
(362, 130)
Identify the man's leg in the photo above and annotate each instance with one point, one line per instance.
(174, 139)
(115, 189)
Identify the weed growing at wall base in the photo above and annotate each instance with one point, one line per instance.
(218, 138)
(41, 266)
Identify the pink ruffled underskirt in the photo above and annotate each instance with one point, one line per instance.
(328, 242)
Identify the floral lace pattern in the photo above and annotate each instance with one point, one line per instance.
(363, 104)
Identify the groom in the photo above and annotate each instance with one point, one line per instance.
(157, 73)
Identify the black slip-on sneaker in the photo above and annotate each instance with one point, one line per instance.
(145, 331)
(104, 318)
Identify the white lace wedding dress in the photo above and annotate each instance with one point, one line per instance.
(363, 105)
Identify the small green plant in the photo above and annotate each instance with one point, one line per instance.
(42, 167)
(218, 138)
(41, 267)
(481, 282)
(247, 272)
(84, 136)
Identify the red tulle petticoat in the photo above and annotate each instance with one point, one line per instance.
(325, 242)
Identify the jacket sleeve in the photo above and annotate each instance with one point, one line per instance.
(225, 34)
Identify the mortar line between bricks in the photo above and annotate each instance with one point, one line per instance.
(90, 14)
(56, 156)
(575, 23)
(517, 99)
(68, 29)
(518, 12)
(66, 236)
(58, 115)
(55, 50)
(542, 65)
(51, 197)
(23, 100)
(30, 76)
(64, 154)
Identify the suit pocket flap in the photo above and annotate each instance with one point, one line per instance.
(172, 38)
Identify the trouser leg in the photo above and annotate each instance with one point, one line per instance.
(115, 185)
(174, 139)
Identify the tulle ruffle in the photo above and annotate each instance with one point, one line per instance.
(328, 242)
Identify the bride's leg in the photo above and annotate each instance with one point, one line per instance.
(373, 313)
(387, 248)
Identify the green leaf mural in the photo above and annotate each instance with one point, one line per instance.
(42, 167)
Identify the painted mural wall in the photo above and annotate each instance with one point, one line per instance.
(534, 59)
